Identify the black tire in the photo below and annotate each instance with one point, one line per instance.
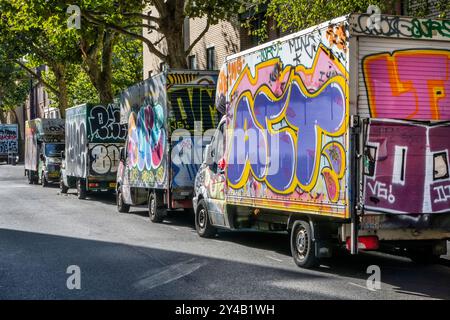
(30, 178)
(302, 245)
(202, 222)
(423, 255)
(44, 181)
(156, 210)
(122, 207)
(81, 189)
(63, 187)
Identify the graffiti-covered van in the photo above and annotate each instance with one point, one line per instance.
(44, 143)
(337, 130)
(9, 140)
(167, 117)
(94, 137)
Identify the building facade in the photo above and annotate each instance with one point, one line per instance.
(229, 37)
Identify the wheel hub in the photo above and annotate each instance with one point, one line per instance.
(202, 218)
(302, 243)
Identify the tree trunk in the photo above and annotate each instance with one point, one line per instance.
(97, 58)
(59, 71)
(172, 21)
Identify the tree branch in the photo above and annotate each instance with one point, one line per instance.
(208, 23)
(36, 76)
(123, 31)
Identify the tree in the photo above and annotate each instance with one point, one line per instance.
(295, 15)
(23, 32)
(164, 17)
(45, 38)
(14, 86)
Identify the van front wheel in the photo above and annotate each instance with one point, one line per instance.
(156, 211)
(202, 222)
(122, 207)
(302, 245)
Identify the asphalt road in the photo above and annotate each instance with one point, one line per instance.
(125, 256)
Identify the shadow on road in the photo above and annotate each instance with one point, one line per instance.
(33, 266)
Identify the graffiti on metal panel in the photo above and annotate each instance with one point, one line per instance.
(301, 110)
(184, 169)
(104, 159)
(396, 26)
(337, 36)
(8, 139)
(398, 162)
(147, 142)
(190, 105)
(76, 141)
(104, 123)
(409, 84)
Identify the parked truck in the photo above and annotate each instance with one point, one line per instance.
(94, 137)
(338, 134)
(44, 143)
(9, 142)
(167, 116)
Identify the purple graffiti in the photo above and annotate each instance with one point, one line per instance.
(401, 174)
(296, 121)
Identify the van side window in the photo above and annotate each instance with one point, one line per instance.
(440, 166)
(370, 155)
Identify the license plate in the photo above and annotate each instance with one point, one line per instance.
(53, 174)
(112, 185)
(370, 223)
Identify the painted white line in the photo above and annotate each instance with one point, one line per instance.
(168, 274)
(360, 286)
(275, 259)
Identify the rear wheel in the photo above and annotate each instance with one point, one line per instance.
(156, 210)
(302, 245)
(202, 222)
(122, 207)
(44, 181)
(423, 255)
(62, 186)
(81, 189)
(30, 177)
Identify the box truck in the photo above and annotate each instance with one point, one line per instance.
(338, 134)
(9, 142)
(94, 137)
(167, 116)
(44, 143)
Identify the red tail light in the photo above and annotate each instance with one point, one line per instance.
(365, 243)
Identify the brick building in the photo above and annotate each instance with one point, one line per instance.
(229, 37)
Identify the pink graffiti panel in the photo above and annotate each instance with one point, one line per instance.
(409, 84)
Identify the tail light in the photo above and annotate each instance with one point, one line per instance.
(365, 243)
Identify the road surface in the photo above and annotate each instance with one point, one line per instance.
(125, 256)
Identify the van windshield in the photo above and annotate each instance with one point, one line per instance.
(54, 149)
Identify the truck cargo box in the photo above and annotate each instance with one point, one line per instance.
(161, 114)
(94, 137)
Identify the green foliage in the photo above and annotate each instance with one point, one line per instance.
(127, 68)
(14, 85)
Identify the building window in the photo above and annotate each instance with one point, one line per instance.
(192, 63)
(211, 58)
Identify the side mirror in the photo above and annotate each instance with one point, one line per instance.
(122, 154)
(42, 157)
(207, 155)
